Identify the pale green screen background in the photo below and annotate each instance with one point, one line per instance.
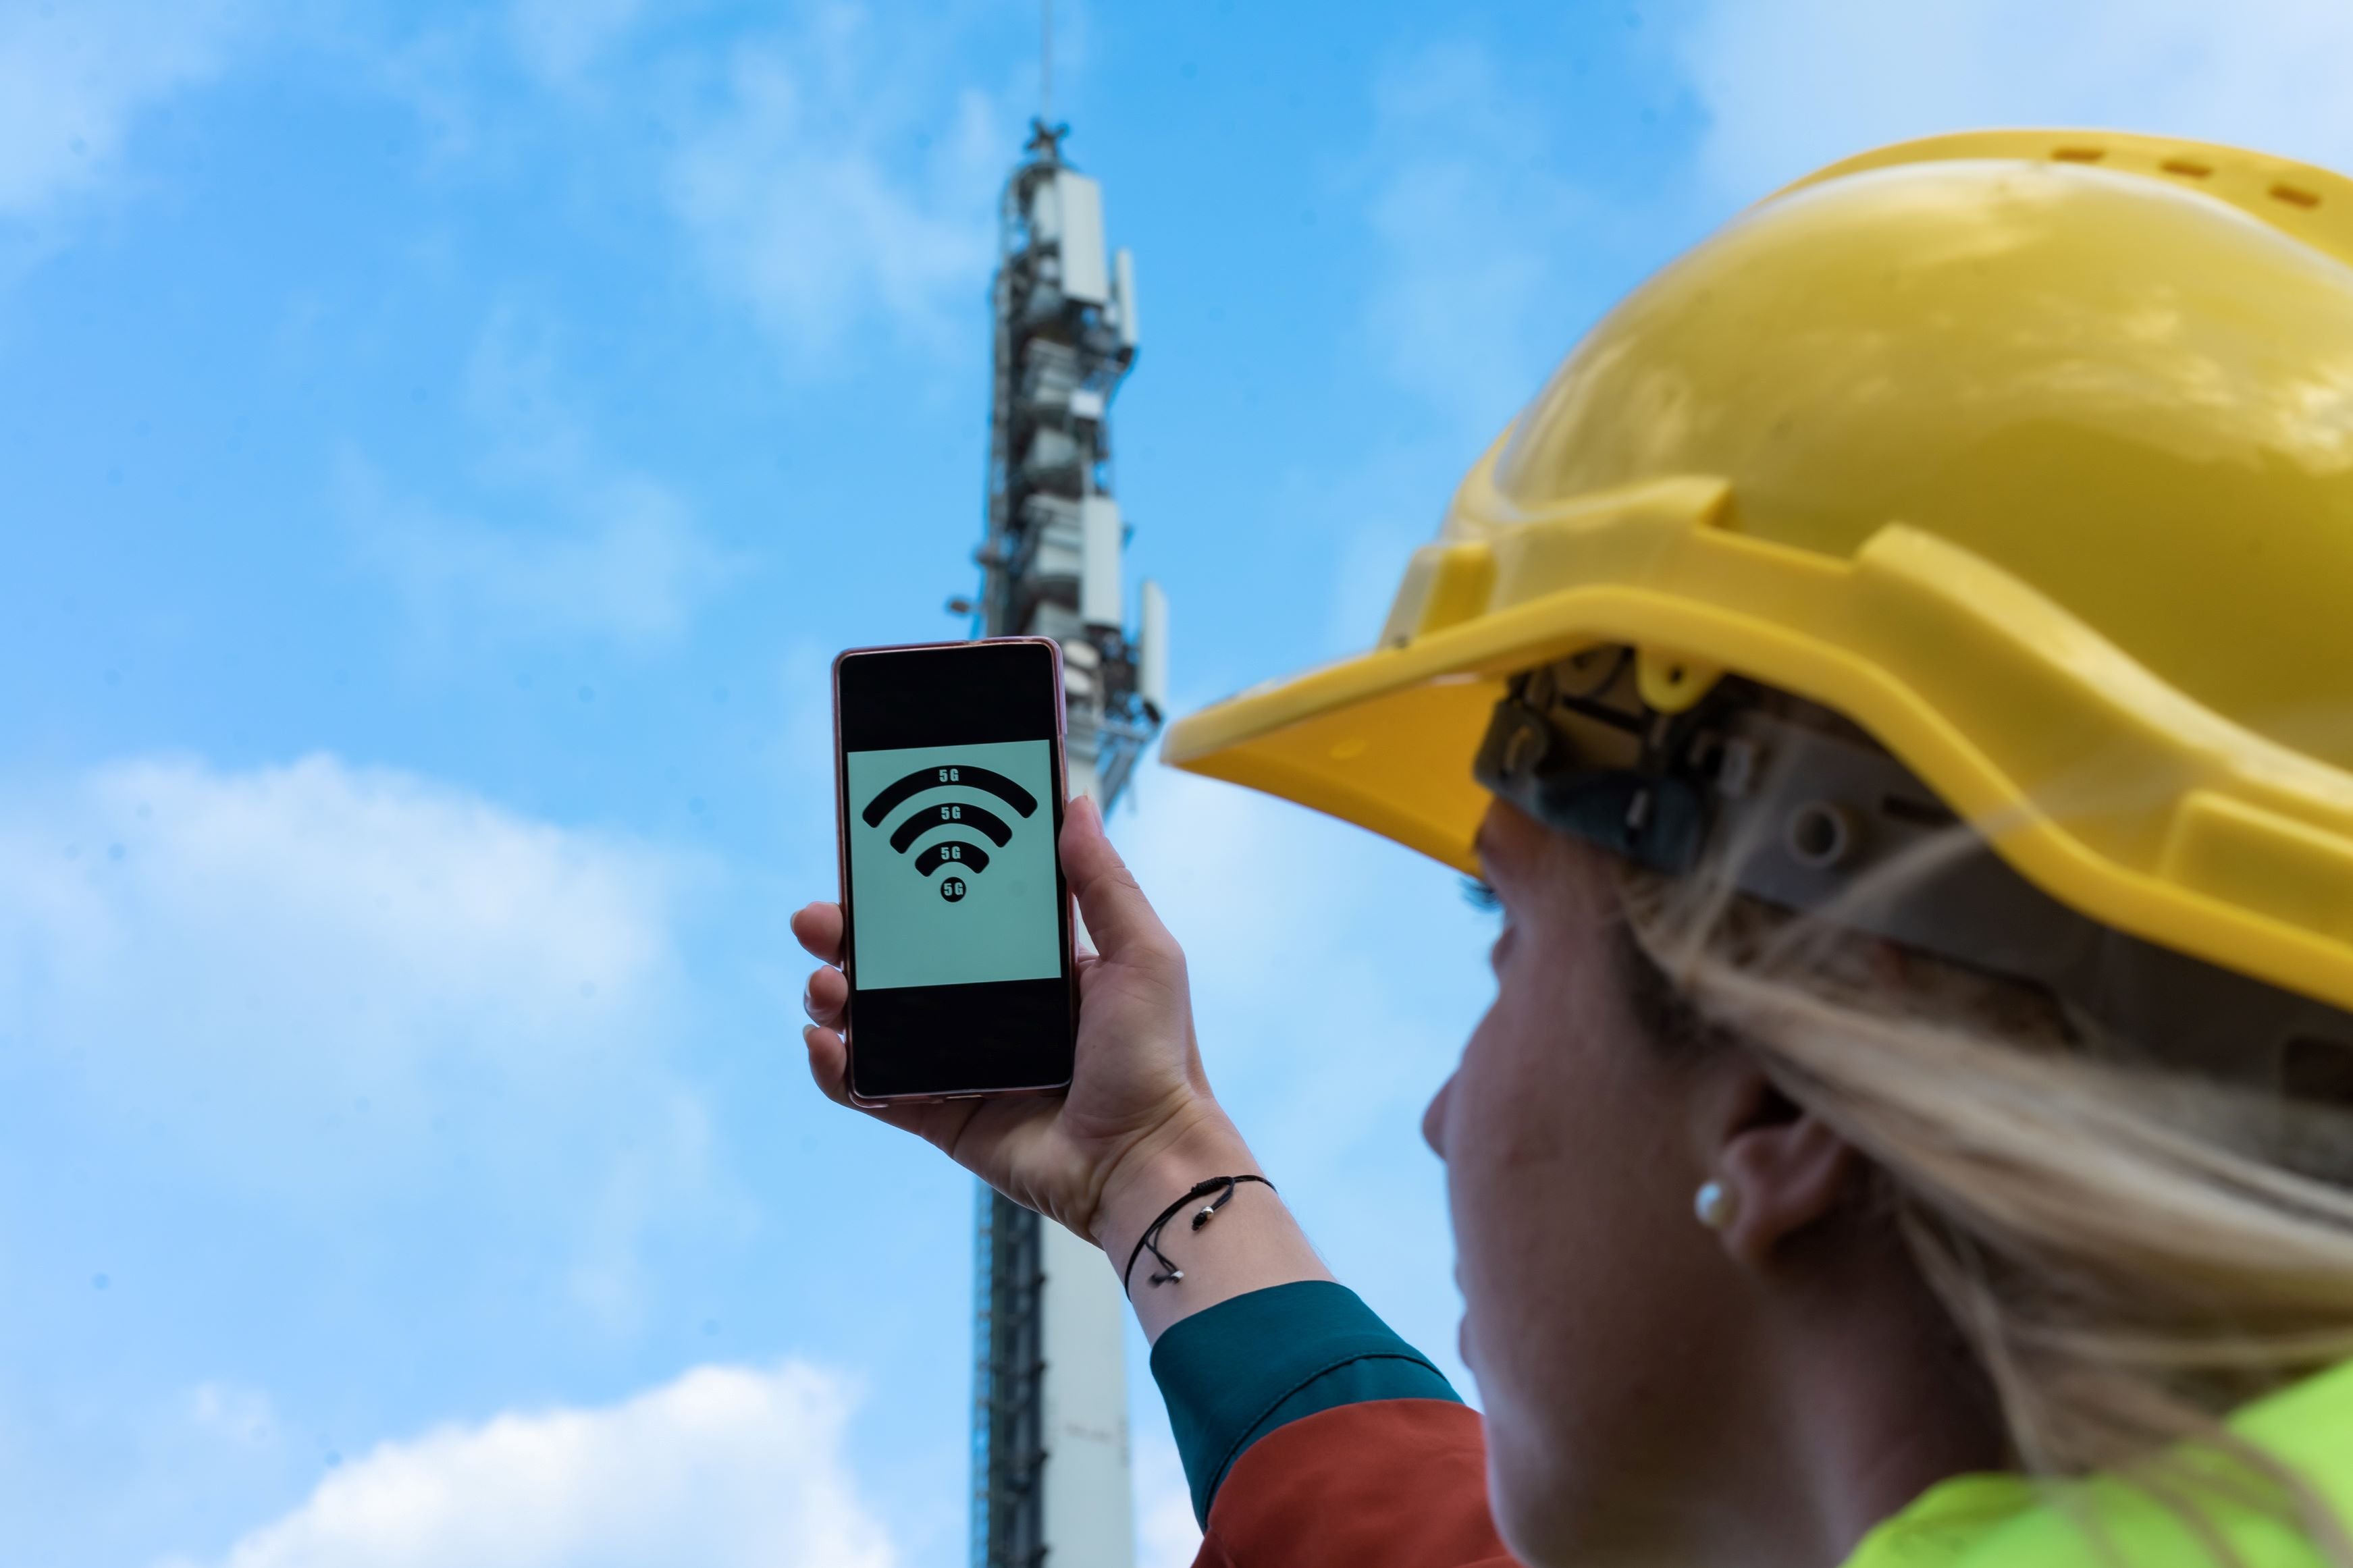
(1004, 926)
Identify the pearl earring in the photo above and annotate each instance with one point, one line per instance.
(1714, 1205)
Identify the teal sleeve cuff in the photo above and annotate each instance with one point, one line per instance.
(1238, 1370)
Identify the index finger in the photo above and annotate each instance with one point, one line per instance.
(818, 928)
(1119, 917)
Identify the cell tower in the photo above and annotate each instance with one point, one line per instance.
(1049, 1416)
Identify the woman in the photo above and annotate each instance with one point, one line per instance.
(1897, 682)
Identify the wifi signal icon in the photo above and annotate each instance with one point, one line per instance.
(960, 853)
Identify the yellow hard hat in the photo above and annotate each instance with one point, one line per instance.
(2029, 452)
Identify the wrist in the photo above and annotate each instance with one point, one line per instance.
(1159, 1169)
(1254, 1242)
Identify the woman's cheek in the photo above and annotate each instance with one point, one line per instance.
(1490, 1209)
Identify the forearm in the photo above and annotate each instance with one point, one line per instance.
(1346, 1445)
(1252, 1244)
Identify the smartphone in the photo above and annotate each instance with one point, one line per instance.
(956, 918)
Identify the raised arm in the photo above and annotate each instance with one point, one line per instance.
(1311, 1433)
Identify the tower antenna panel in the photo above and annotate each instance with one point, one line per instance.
(1049, 1409)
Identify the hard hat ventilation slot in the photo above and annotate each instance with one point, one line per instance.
(1927, 813)
(2295, 196)
(2078, 154)
(2189, 168)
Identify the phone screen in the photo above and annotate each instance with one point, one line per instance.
(956, 920)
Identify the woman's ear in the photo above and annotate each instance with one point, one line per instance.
(1783, 1168)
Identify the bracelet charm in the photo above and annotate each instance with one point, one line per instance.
(1169, 1273)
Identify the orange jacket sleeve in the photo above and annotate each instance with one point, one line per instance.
(1392, 1483)
(1313, 1437)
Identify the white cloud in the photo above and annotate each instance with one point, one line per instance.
(233, 1415)
(75, 78)
(1795, 84)
(800, 203)
(584, 547)
(629, 563)
(441, 891)
(560, 40)
(323, 985)
(1475, 217)
(725, 1468)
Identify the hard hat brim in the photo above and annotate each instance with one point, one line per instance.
(1384, 741)
(2175, 825)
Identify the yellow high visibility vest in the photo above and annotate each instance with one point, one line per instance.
(2010, 1522)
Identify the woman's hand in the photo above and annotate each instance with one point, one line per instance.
(1138, 1118)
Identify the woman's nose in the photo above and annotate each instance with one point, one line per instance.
(1433, 1120)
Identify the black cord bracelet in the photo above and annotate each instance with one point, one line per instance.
(1150, 1240)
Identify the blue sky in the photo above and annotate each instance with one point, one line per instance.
(440, 449)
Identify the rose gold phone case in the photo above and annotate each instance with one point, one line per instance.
(841, 859)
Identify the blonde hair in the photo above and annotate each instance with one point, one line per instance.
(2130, 1250)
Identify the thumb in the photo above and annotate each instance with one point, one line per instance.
(1119, 917)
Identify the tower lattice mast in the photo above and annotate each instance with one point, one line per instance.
(1049, 1420)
